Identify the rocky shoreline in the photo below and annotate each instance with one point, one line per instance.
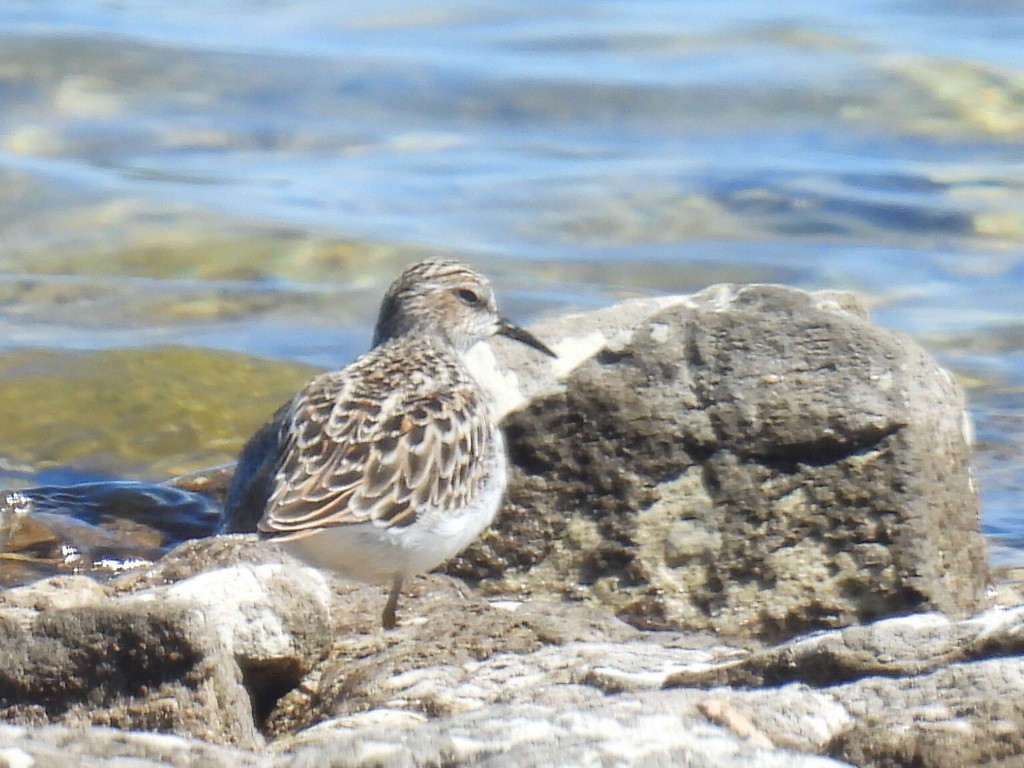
(741, 531)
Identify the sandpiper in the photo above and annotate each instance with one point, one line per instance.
(394, 464)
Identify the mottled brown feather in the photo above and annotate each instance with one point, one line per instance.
(371, 443)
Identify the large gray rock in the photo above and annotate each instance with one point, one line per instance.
(755, 460)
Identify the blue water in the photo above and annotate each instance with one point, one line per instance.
(579, 151)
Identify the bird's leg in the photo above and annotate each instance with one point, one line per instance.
(392, 604)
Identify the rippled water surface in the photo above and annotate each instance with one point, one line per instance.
(186, 185)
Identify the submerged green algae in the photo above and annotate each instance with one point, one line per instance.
(149, 413)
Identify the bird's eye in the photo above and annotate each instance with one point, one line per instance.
(469, 297)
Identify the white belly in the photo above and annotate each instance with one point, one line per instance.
(367, 552)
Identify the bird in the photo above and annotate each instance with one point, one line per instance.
(390, 466)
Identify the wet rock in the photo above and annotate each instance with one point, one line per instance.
(758, 461)
(98, 527)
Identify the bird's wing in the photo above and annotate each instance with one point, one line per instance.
(349, 458)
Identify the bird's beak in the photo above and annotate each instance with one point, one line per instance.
(513, 331)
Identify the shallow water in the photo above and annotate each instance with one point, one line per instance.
(244, 177)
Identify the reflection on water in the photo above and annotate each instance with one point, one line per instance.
(99, 528)
(246, 178)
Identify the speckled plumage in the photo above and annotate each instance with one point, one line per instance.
(396, 430)
(395, 463)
